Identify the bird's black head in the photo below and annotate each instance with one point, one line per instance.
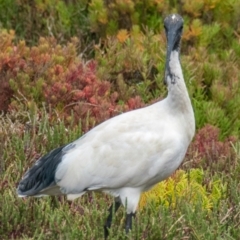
(173, 25)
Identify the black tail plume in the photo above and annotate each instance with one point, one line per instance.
(42, 174)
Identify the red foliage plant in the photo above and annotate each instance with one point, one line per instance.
(8, 60)
(207, 151)
(91, 99)
(54, 74)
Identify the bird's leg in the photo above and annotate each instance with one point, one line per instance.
(128, 225)
(114, 207)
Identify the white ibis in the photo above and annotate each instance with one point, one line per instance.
(127, 154)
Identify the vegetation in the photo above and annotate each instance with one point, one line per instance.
(66, 66)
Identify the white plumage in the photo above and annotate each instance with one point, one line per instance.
(128, 154)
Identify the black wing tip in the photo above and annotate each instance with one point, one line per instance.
(25, 189)
(41, 175)
(23, 194)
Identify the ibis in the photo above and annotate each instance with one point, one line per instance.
(127, 154)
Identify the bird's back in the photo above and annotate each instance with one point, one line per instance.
(136, 149)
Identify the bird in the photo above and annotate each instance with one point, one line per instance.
(128, 154)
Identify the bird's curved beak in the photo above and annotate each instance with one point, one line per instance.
(171, 41)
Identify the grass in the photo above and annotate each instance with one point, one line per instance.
(26, 136)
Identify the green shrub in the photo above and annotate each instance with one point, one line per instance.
(58, 18)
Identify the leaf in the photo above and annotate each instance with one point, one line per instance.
(122, 35)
